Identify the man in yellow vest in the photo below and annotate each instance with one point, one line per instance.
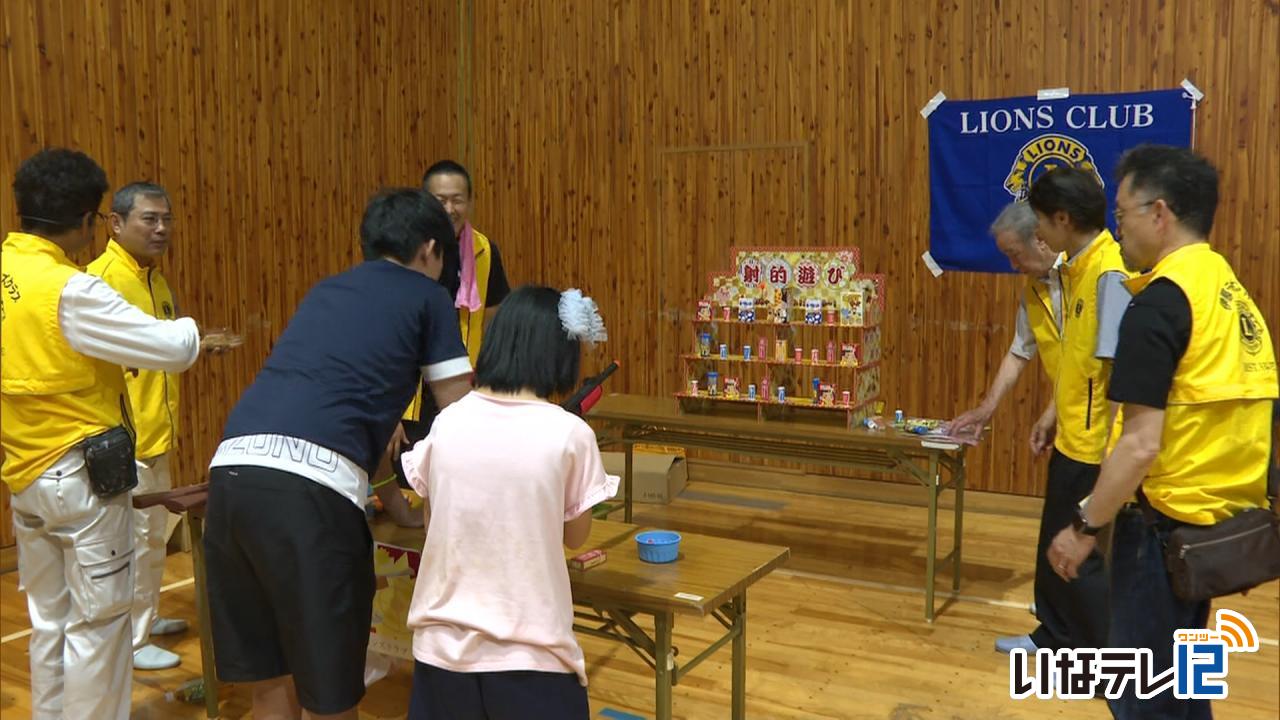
(1038, 326)
(141, 220)
(1071, 208)
(478, 283)
(1195, 372)
(66, 431)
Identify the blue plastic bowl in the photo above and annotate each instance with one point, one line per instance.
(658, 546)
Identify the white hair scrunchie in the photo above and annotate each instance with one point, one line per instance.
(580, 318)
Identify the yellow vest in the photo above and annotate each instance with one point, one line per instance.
(1081, 388)
(1217, 425)
(1037, 299)
(51, 397)
(153, 394)
(471, 324)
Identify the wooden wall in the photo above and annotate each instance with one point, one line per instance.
(270, 123)
(627, 145)
(616, 146)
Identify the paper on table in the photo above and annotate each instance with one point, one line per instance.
(941, 434)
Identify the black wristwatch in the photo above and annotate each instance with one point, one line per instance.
(1081, 524)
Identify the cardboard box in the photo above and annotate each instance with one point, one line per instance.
(396, 570)
(656, 477)
(588, 559)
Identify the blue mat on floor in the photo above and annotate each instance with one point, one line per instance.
(611, 714)
(732, 500)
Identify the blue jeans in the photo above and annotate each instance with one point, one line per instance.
(1145, 613)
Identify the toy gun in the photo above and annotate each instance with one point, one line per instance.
(591, 391)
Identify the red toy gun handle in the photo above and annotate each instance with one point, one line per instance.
(591, 391)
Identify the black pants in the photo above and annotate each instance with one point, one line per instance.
(440, 694)
(1072, 614)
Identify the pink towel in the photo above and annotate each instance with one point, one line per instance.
(468, 290)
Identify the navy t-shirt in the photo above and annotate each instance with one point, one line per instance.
(350, 361)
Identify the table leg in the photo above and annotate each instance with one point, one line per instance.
(663, 674)
(629, 455)
(957, 480)
(740, 656)
(931, 552)
(195, 529)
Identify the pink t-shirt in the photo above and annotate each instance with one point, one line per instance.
(502, 476)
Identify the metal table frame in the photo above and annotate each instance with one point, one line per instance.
(189, 502)
(710, 580)
(614, 622)
(889, 453)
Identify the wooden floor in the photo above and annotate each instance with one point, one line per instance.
(839, 633)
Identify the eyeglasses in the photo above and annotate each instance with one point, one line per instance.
(97, 220)
(153, 219)
(1119, 212)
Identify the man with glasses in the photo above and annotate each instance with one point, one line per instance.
(65, 429)
(141, 223)
(1195, 370)
(477, 280)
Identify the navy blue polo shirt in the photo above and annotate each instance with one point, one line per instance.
(350, 360)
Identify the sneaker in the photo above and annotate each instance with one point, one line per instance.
(1007, 645)
(150, 657)
(168, 626)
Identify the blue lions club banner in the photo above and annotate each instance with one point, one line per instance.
(985, 153)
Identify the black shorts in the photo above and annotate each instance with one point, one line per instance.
(290, 580)
(440, 694)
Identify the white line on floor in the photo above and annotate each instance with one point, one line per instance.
(15, 636)
(179, 584)
(24, 633)
(940, 596)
